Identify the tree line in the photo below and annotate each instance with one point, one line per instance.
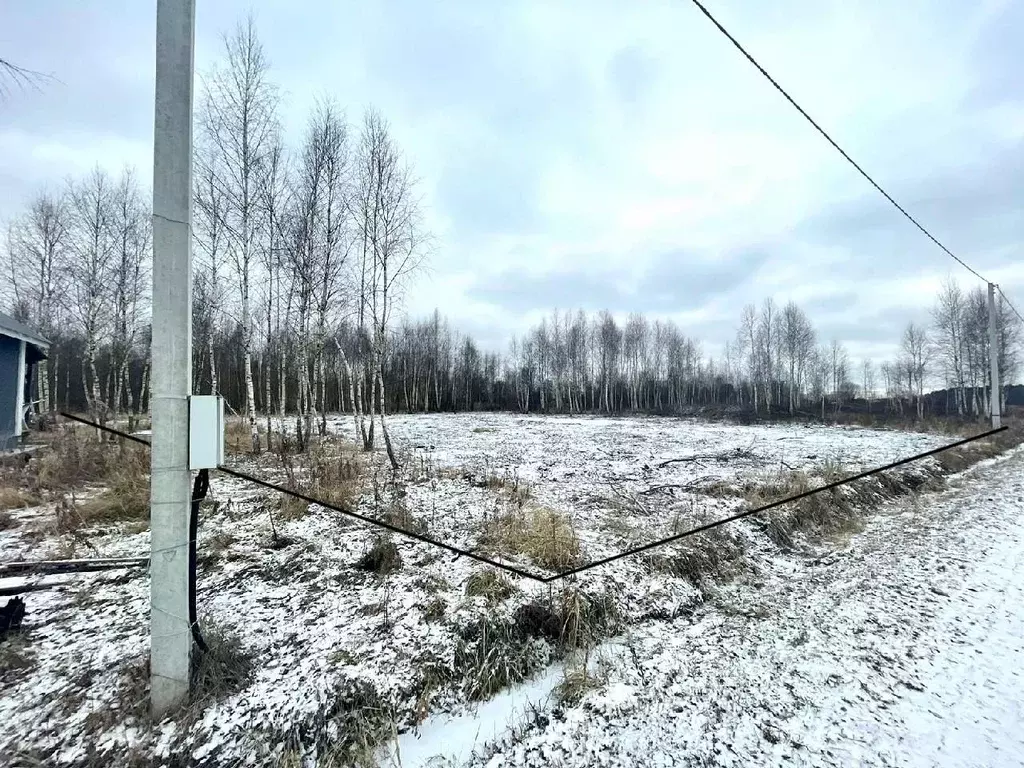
(301, 257)
(775, 364)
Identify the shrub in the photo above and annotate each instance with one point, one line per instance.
(16, 498)
(544, 535)
(382, 557)
(491, 585)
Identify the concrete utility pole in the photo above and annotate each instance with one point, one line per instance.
(170, 635)
(993, 357)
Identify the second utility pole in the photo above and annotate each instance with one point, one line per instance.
(993, 358)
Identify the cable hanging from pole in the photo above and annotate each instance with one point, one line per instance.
(1009, 303)
(832, 141)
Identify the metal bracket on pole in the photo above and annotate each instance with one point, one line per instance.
(205, 431)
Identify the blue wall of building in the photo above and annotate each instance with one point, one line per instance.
(8, 390)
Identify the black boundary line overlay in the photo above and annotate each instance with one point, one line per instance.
(572, 571)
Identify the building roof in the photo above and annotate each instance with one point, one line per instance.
(18, 330)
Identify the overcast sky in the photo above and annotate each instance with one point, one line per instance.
(603, 154)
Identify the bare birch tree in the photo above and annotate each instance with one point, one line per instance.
(914, 354)
(130, 235)
(238, 122)
(38, 243)
(91, 259)
(392, 241)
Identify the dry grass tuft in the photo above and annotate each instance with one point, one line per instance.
(223, 668)
(544, 535)
(77, 458)
(364, 719)
(491, 585)
(492, 654)
(331, 469)
(840, 511)
(382, 557)
(238, 435)
(573, 619)
(291, 508)
(434, 610)
(539, 619)
(214, 548)
(431, 583)
(959, 459)
(820, 514)
(398, 515)
(132, 698)
(126, 497)
(576, 683)
(17, 498)
(585, 618)
(711, 554)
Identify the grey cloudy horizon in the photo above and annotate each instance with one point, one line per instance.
(590, 155)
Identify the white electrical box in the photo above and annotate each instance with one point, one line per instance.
(205, 431)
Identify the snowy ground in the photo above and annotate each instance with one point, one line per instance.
(331, 642)
(902, 649)
(588, 467)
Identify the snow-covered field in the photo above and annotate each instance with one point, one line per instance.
(341, 655)
(902, 649)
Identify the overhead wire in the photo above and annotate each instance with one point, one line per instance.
(458, 551)
(833, 142)
(1009, 303)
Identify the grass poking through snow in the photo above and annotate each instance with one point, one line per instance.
(544, 535)
(382, 557)
(490, 584)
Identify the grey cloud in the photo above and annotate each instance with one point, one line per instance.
(834, 301)
(997, 59)
(676, 281)
(886, 326)
(520, 292)
(489, 192)
(973, 211)
(631, 72)
(681, 280)
(510, 119)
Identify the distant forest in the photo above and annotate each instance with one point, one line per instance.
(301, 256)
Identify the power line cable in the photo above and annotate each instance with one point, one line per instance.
(832, 141)
(596, 563)
(1009, 303)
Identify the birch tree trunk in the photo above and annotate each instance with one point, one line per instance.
(357, 417)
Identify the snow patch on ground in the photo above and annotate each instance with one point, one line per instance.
(325, 635)
(903, 649)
